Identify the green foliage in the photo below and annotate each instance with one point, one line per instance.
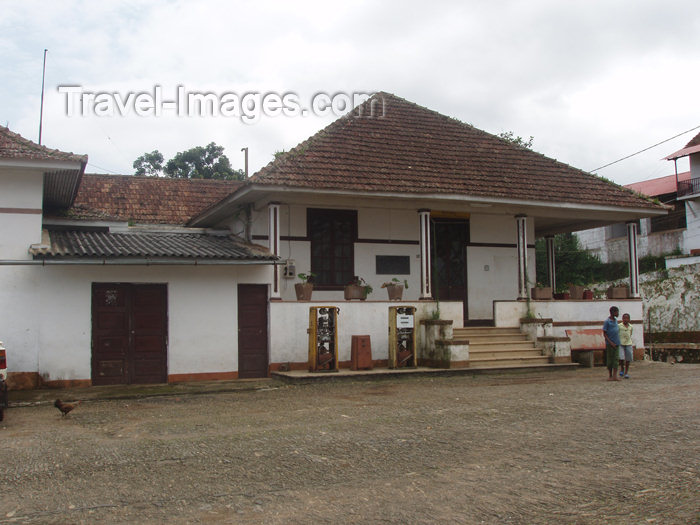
(150, 164)
(518, 140)
(207, 162)
(575, 265)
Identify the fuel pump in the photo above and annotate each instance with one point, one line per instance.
(323, 338)
(402, 336)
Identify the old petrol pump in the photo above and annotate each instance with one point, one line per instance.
(402, 336)
(323, 338)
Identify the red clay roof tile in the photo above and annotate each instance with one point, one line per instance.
(14, 146)
(407, 148)
(157, 200)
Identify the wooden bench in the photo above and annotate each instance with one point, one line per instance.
(587, 346)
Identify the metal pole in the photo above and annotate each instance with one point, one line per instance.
(246, 161)
(41, 111)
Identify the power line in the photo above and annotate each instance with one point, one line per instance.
(104, 169)
(645, 149)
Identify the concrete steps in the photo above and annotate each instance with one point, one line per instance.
(500, 348)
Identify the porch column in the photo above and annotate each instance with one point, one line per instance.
(521, 221)
(632, 257)
(551, 266)
(273, 226)
(425, 263)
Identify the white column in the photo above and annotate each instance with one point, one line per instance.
(274, 244)
(521, 221)
(551, 266)
(633, 259)
(425, 263)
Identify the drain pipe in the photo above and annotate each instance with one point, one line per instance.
(129, 262)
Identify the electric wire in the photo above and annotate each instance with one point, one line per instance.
(645, 149)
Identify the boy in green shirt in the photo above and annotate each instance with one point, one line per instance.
(625, 346)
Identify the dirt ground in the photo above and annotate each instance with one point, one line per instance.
(557, 447)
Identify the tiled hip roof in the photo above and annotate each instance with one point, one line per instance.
(73, 244)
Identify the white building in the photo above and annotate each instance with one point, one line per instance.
(119, 280)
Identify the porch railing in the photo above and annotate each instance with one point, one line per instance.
(688, 187)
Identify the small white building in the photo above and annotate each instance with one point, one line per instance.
(109, 279)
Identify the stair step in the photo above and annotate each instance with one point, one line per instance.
(504, 344)
(483, 363)
(487, 330)
(507, 354)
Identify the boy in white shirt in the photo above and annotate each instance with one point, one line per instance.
(625, 346)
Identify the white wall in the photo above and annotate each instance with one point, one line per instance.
(492, 271)
(47, 328)
(21, 190)
(509, 313)
(290, 341)
(692, 216)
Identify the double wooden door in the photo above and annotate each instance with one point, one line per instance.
(129, 333)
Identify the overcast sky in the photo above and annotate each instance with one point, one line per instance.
(592, 81)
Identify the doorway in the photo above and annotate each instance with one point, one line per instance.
(129, 333)
(252, 331)
(449, 239)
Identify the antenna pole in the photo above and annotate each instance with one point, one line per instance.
(41, 111)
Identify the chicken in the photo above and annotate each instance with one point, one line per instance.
(65, 407)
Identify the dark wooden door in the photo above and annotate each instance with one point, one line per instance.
(450, 238)
(129, 333)
(252, 330)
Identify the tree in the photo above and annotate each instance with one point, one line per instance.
(573, 264)
(207, 162)
(150, 164)
(511, 137)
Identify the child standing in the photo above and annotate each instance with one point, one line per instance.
(611, 331)
(625, 346)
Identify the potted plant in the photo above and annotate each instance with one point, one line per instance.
(618, 291)
(357, 289)
(576, 291)
(395, 289)
(305, 287)
(540, 292)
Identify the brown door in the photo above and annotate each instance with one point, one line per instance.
(252, 330)
(129, 333)
(449, 243)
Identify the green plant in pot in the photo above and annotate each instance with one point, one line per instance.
(357, 288)
(395, 288)
(305, 288)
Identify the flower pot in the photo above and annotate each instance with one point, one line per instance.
(618, 292)
(541, 293)
(355, 291)
(563, 296)
(588, 295)
(395, 291)
(576, 291)
(303, 291)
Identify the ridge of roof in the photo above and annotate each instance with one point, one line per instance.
(412, 149)
(15, 146)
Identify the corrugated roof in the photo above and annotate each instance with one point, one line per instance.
(156, 200)
(403, 147)
(100, 244)
(14, 146)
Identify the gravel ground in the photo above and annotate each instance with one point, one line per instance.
(562, 447)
